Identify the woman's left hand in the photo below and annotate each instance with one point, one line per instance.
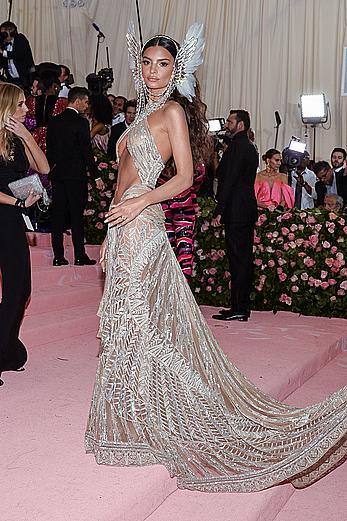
(15, 126)
(122, 213)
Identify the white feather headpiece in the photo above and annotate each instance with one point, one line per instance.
(189, 57)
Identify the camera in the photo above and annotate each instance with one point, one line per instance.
(294, 153)
(99, 83)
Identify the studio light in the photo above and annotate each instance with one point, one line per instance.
(314, 109)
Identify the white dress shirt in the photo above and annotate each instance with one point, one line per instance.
(307, 200)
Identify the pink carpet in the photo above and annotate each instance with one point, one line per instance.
(46, 475)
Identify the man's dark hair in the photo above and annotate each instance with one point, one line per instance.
(77, 93)
(121, 97)
(67, 71)
(130, 103)
(321, 165)
(101, 108)
(10, 27)
(342, 150)
(242, 115)
(47, 79)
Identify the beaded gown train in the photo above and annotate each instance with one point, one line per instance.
(166, 393)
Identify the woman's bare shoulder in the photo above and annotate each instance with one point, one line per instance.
(172, 109)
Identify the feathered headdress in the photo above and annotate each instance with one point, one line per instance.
(188, 58)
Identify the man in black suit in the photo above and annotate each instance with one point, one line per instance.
(15, 55)
(117, 130)
(237, 209)
(69, 153)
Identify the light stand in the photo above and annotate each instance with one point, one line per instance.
(100, 37)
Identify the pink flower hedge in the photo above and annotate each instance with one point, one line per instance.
(299, 262)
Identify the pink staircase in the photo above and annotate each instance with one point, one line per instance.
(45, 472)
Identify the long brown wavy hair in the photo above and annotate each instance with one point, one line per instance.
(195, 110)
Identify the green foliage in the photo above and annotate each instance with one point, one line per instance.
(299, 256)
(299, 259)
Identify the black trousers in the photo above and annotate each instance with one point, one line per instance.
(239, 242)
(69, 198)
(16, 286)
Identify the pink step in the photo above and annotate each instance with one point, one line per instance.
(44, 256)
(324, 501)
(47, 327)
(46, 276)
(55, 298)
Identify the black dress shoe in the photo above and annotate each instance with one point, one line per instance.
(241, 317)
(60, 261)
(85, 261)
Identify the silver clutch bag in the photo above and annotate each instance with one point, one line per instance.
(22, 188)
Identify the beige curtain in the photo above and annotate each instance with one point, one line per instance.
(260, 54)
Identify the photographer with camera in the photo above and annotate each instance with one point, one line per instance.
(295, 161)
(15, 55)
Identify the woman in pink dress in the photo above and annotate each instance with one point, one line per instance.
(271, 186)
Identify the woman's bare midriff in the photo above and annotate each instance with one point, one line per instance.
(127, 175)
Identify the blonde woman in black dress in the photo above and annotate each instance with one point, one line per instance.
(18, 152)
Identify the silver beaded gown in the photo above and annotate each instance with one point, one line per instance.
(166, 393)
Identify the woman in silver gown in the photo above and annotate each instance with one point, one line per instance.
(165, 392)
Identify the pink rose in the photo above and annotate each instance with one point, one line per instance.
(340, 292)
(345, 229)
(208, 288)
(323, 274)
(341, 221)
(343, 272)
(329, 262)
(318, 227)
(102, 165)
(258, 262)
(332, 216)
(294, 289)
(317, 283)
(293, 227)
(99, 226)
(303, 215)
(333, 250)
(333, 298)
(301, 227)
(111, 176)
(291, 236)
(284, 231)
(286, 299)
(326, 244)
(324, 285)
(294, 278)
(221, 253)
(271, 263)
(343, 284)
(311, 219)
(309, 262)
(339, 256)
(213, 271)
(313, 240)
(210, 280)
(197, 290)
(103, 204)
(219, 289)
(331, 282)
(282, 277)
(279, 270)
(216, 234)
(304, 276)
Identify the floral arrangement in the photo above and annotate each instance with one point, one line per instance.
(299, 257)
(99, 201)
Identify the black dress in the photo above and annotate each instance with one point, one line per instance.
(14, 263)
